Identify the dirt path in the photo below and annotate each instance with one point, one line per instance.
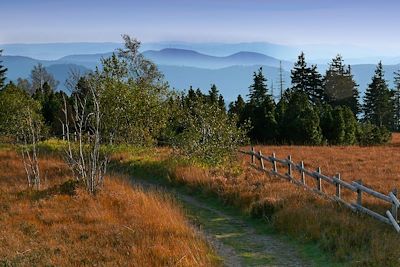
(234, 239)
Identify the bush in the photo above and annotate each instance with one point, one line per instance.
(205, 132)
(370, 134)
(300, 121)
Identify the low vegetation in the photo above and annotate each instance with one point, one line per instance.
(63, 225)
(352, 239)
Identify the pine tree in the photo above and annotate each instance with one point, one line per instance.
(221, 103)
(300, 121)
(307, 80)
(378, 105)
(260, 110)
(3, 71)
(213, 94)
(258, 90)
(396, 102)
(339, 86)
(237, 107)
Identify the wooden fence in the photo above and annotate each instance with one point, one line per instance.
(390, 217)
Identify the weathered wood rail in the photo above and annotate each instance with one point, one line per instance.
(390, 217)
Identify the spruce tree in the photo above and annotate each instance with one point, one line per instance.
(260, 110)
(307, 80)
(339, 86)
(396, 102)
(221, 103)
(258, 90)
(378, 105)
(300, 121)
(237, 109)
(213, 94)
(3, 71)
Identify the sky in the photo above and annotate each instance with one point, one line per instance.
(366, 23)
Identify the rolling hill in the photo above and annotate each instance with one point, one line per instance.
(184, 68)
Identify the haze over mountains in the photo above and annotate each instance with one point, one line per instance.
(229, 66)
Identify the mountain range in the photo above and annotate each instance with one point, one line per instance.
(184, 68)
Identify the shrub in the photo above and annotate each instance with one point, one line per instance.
(370, 134)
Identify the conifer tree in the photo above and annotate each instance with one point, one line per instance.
(221, 103)
(258, 90)
(3, 71)
(339, 86)
(237, 107)
(213, 94)
(260, 110)
(307, 80)
(378, 105)
(396, 102)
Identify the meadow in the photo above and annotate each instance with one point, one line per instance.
(350, 238)
(63, 225)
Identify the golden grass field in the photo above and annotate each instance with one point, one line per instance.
(120, 226)
(350, 238)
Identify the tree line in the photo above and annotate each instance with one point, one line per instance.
(320, 109)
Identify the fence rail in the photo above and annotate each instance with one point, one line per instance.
(390, 217)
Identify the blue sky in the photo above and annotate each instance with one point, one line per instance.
(364, 23)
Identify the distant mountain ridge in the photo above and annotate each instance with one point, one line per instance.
(319, 53)
(183, 68)
(190, 58)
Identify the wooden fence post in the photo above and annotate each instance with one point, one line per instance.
(338, 189)
(289, 165)
(303, 176)
(319, 182)
(394, 206)
(253, 157)
(359, 194)
(274, 167)
(262, 161)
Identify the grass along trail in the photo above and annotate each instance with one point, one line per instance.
(238, 240)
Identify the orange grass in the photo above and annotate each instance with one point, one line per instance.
(351, 238)
(120, 226)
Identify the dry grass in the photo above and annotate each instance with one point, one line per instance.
(60, 226)
(351, 238)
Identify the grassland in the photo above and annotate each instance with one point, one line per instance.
(61, 225)
(351, 239)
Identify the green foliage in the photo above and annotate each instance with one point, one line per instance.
(307, 80)
(260, 111)
(300, 121)
(40, 77)
(17, 111)
(396, 102)
(338, 125)
(52, 104)
(378, 105)
(350, 121)
(205, 132)
(370, 134)
(3, 72)
(340, 87)
(132, 97)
